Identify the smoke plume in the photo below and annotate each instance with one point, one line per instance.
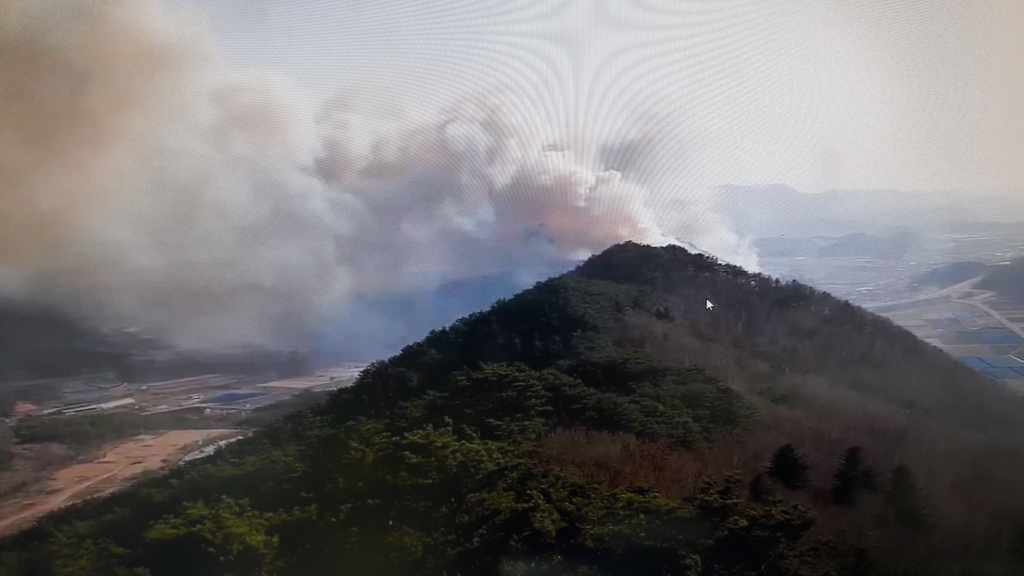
(144, 181)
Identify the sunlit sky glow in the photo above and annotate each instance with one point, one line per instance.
(818, 95)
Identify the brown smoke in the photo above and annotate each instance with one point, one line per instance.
(77, 80)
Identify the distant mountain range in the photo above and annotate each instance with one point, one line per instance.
(37, 342)
(375, 327)
(850, 245)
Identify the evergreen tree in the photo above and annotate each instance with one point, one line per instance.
(905, 500)
(789, 468)
(853, 478)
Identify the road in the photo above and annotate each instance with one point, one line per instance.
(53, 501)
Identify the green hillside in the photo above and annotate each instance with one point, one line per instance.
(601, 422)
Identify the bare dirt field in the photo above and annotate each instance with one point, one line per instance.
(117, 464)
(32, 465)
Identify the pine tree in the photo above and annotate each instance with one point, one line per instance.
(853, 478)
(905, 500)
(789, 468)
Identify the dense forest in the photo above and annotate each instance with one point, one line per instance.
(601, 422)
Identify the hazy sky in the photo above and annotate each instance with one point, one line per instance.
(879, 94)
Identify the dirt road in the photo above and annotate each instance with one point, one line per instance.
(118, 464)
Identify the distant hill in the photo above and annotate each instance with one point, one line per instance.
(601, 422)
(1006, 280)
(371, 328)
(42, 343)
(951, 274)
(861, 245)
(870, 246)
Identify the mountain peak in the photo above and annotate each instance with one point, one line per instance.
(633, 263)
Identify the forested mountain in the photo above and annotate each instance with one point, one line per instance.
(601, 422)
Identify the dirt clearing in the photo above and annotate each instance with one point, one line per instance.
(118, 464)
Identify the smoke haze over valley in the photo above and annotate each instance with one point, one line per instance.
(224, 174)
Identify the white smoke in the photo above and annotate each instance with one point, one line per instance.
(142, 181)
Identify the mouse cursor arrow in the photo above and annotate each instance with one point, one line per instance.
(709, 305)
